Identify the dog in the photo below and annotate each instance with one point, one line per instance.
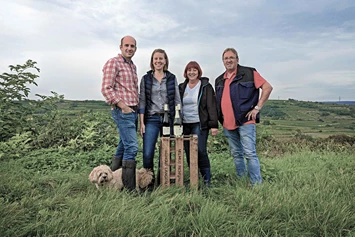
(103, 176)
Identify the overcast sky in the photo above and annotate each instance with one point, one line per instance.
(304, 48)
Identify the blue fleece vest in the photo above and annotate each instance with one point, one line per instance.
(170, 88)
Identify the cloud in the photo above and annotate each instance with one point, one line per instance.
(304, 49)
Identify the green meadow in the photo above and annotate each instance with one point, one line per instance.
(48, 148)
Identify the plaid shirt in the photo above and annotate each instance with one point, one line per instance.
(120, 81)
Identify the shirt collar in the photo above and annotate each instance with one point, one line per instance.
(232, 75)
(152, 73)
(125, 60)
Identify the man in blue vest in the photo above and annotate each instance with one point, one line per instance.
(238, 107)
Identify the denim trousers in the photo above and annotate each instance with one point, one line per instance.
(127, 129)
(194, 128)
(242, 143)
(153, 126)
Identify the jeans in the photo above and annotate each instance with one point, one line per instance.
(194, 128)
(153, 126)
(127, 128)
(242, 142)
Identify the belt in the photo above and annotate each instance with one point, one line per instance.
(135, 107)
(158, 114)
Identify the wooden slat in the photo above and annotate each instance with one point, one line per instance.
(179, 161)
(165, 162)
(194, 162)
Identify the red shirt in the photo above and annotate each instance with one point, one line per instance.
(226, 103)
(120, 81)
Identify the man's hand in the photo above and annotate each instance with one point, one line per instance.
(252, 114)
(126, 109)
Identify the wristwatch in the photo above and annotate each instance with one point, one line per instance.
(257, 108)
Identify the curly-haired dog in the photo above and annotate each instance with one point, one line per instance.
(103, 175)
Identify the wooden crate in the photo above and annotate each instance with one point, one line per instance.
(172, 160)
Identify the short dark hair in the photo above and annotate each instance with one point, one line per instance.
(166, 66)
(193, 64)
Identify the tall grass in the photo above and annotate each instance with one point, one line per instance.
(311, 194)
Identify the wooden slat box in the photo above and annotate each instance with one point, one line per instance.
(172, 160)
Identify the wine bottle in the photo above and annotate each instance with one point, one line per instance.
(166, 125)
(177, 122)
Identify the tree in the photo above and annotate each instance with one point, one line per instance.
(16, 109)
(14, 91)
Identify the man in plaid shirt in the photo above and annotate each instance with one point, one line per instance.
(120, 89)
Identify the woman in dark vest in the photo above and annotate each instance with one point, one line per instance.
(158, 87)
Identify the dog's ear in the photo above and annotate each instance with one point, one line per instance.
(93, 176)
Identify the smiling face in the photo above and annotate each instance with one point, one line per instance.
(230, 61)
(128, 47)
(193, 71)
(192, 74)
(159, 61)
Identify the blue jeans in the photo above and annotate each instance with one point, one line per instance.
(242, 142)
(153, 126)
(194, 128)
(127, 128)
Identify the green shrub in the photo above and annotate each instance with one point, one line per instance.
(15, 147)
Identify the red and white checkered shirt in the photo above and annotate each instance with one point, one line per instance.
(120, 81)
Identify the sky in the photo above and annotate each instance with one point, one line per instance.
(304, 48)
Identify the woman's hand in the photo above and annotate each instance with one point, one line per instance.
(214, 131)
(142, 129)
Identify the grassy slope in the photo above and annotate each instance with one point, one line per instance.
(305, 194)
(311, 118)
(311, 195)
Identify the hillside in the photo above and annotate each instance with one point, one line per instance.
(281, 118)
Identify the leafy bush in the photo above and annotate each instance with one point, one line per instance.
(17, 112)
(45, 161)
(273, 112)
(13, 90)
(15, 147)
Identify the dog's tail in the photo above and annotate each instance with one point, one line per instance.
(145, 177)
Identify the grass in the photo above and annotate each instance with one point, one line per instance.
(307, 189)
(311, 194)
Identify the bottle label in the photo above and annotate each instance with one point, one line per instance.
(177, 130)
(166, 131)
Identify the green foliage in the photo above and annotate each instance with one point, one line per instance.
(13, 90)
(16, 110)
(273, 111)
(14, 86)
(48, 148)
(218, 143)
(45, 161)
(15, 147)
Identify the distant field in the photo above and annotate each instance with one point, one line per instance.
(281, 118)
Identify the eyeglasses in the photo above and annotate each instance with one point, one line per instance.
(230, 58)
